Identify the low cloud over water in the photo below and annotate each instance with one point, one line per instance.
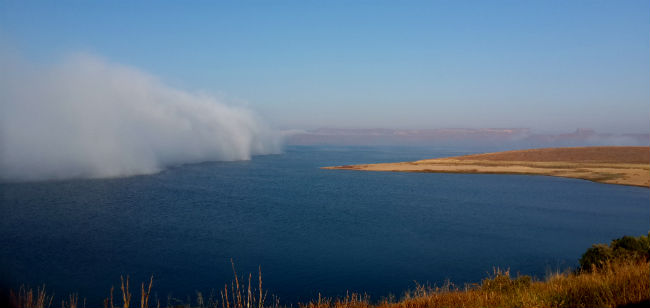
(89, 118)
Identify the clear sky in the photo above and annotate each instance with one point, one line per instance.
(547, 65)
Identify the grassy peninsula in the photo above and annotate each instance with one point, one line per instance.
(624, 165)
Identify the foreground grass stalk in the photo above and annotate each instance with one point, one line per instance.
(25, 298)
(144, 297)
(126, 294)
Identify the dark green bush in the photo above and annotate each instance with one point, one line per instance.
(626, 247)
(596, 255)
(637, 244)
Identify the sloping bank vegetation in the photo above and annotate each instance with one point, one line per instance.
(614, 275)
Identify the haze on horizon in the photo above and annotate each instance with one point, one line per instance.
(546, 65)
(104, 89)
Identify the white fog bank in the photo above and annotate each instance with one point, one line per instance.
(88, 118)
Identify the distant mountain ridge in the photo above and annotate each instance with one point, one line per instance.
(460, 136)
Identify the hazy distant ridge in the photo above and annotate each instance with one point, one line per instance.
(462, 136)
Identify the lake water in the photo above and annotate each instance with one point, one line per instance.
(310, 230)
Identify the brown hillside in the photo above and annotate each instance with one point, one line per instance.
(604, 154)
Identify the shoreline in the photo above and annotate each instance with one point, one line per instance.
(608, 165)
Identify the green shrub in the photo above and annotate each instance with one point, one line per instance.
(596, 255)
(626, 247)
(636, 244)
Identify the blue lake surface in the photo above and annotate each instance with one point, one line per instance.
(310, 230)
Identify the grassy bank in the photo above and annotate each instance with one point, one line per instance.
(604, 164)
(616, 284)
(614, 275)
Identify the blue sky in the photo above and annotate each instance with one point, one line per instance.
(547, 65)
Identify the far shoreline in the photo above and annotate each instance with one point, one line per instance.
(621, 165)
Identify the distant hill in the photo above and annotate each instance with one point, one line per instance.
(515, 137)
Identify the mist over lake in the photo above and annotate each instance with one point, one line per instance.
(310, 230)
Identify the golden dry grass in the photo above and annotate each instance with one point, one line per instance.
(610, 165)
(616, 284)
(600, 154)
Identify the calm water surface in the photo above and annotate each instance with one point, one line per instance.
(310, 230)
